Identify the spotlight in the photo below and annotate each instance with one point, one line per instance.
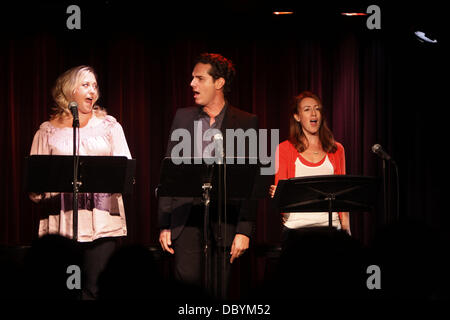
(353, 14)
(423, 38)
(278, 13)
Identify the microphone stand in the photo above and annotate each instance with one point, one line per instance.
(207, 186)
(75, 125)
(378, 150)
(386, 214)
(398, 190)
(222, 225)
(221, 236)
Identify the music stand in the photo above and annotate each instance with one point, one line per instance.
(184, 177)
(97, 174)
(192, 177)
(326, 193)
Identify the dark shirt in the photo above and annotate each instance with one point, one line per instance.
(205, 120)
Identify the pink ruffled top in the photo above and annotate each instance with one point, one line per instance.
(100, 214)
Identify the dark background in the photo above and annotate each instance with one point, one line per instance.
(377, 86)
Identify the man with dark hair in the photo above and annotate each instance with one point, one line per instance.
(181, 219)
(220, 68)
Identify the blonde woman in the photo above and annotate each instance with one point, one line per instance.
(101, 216)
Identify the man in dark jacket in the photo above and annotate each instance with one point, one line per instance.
(181, 219)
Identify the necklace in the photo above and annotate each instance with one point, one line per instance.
(313, 152)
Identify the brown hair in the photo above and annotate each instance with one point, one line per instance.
(296, 135)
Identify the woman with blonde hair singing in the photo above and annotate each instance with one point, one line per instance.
(101, 216)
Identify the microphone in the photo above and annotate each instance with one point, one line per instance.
(218, 141)
(73, 106)
(218, 136)
(377, 149)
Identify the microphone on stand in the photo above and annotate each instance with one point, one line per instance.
(378, 150)
(73, 107)
(218, 143)
(222, 207)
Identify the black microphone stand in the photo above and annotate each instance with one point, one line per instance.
(75, 125)
(385, 201)
(222, 227)
(206, 196)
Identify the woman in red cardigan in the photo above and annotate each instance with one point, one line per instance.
(310, 150)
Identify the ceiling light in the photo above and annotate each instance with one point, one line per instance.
(352, 14)
(282, 12)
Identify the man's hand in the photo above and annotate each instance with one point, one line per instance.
(345, 222)
(164, 240)
(240, 244)
(38, 197)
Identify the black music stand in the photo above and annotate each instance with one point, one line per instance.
(200, 178)
(184, 177)
(96, 174)
(326, 193)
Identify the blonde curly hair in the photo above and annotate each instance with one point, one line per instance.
(64, 89)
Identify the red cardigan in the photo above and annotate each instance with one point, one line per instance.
(287, 154)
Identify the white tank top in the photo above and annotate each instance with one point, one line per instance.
(304, 168)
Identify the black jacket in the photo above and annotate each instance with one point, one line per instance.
(173, 212)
